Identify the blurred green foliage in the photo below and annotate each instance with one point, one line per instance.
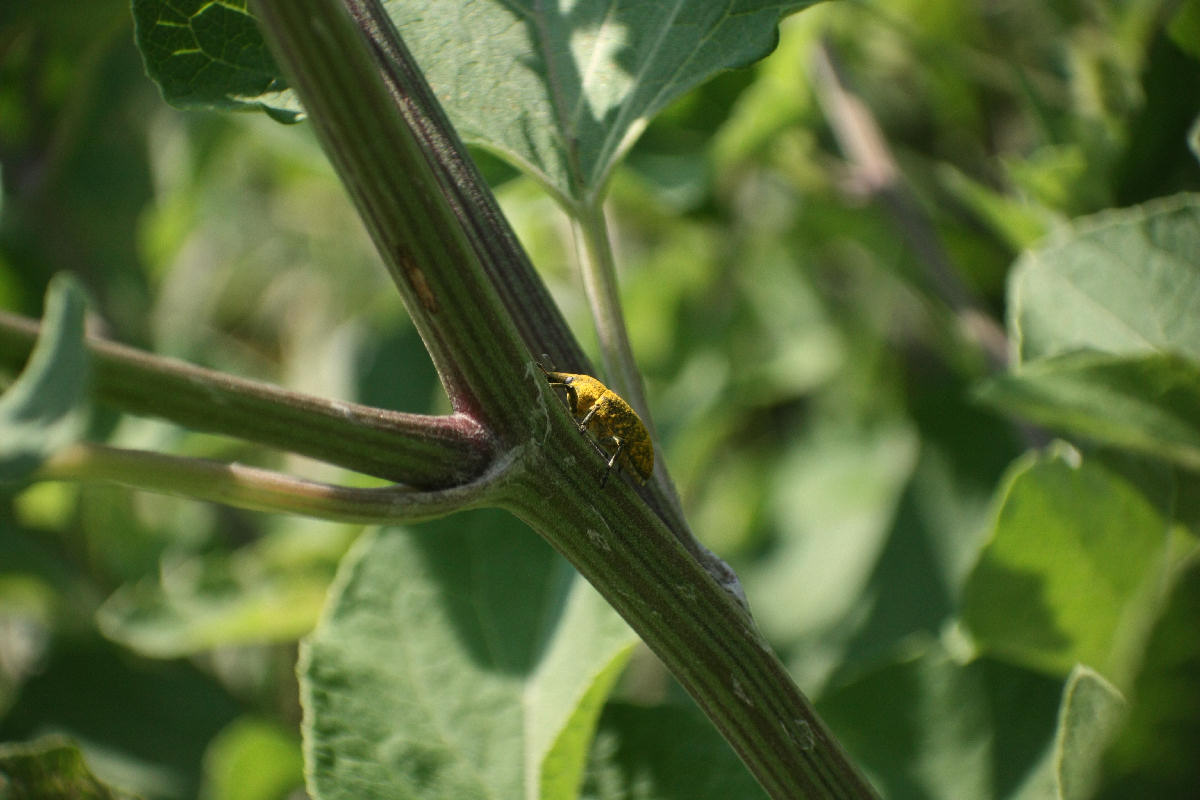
(813, 394)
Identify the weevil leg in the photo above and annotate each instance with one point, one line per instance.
(588, 417)
(572, 396)
(612, 461)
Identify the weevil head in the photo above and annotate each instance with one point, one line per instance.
(563, 378)
(551, 375)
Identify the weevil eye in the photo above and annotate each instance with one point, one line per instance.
(568, 379)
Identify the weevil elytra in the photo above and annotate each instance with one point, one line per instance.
(610, 419)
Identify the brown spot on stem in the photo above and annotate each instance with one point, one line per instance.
(421, 286)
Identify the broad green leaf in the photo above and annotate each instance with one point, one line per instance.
(1149, 403)
(561, 90)
(253, 759)
(924, 727)
(1088, 713)
(1124, 282)
(837, 501)
(50, 769)
(1073, 571)
(1154, 755)
(1091, 711)
(208, 54)
(878, 529)
(44, 409)
(463, 660)
(663, 753)
(562, 733)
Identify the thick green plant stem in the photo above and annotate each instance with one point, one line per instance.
(458, 313)
(547, 473)
(421, 451)
(537, 318)
(704, 637)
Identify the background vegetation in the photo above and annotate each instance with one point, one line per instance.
(963, 595)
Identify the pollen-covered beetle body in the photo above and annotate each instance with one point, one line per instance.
(610, 419)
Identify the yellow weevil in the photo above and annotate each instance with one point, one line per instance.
(610, 419)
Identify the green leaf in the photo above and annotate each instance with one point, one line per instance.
(663, 753)
(50, 769)
(1091, 711)
(564, 733)
(253, 759)
(210, 55)
(1148, 403)
(837, 500)
(44, 409)
(1154, 755)
(464, 660)
(1073, 571)
(1123, 282)
(927, 728)
(561, 91)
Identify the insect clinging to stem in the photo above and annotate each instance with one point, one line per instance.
(610, 419)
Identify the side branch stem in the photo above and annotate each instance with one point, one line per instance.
(252, 488)
(422, 451)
